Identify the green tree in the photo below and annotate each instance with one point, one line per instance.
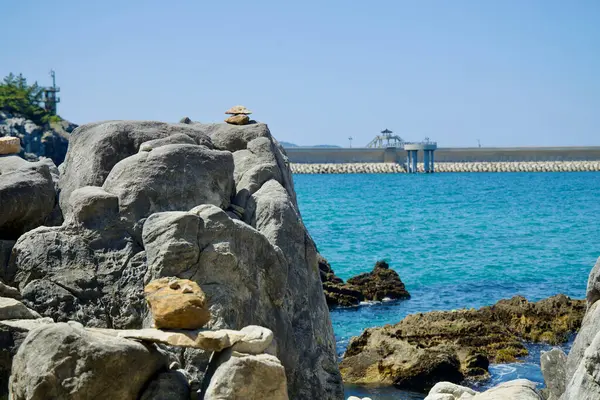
(18, 97)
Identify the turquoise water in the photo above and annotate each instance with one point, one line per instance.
(457, 240)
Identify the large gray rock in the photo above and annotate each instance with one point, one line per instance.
(169, 178)
(27, 197)
(94, 149)
(12, 335)
(64, 361)
(585, 381)
(89, 269)
(248, 377)
(590, 326)
(593, 287)
(13, 309)
(554, 369)
(519, 389)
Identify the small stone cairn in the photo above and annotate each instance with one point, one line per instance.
(239, 115)
(9, 145)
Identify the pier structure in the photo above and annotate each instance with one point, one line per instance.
(412, 155)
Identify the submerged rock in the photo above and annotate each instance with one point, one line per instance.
(451, 345)
(380, 284)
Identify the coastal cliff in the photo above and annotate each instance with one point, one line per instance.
(144, 200)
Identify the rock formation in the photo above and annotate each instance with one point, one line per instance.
(423, 349)
(380, 284)
(211, 203)
(48, 140)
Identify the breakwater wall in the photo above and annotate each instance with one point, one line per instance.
(510, 166)
(318, 155)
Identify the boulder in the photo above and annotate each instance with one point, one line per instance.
(27, 196)
(169, 385)
(170, 178)
(425, 348)
(585, 336)
(94, 149)
(65, 361)
(90, 268)
(451, 390)
(518, 389)
(9, 145)
(9, 291)
(554, 368)
(251, 377)
(177, 304)
(12, 334)
(14, 309)
(593, 287)
(585, 381)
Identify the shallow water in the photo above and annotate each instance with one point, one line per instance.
(457, 240)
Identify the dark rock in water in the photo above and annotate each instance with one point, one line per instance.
(380, 283)
(377, 285)
(451, 345)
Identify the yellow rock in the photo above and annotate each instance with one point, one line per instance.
(10, 145)
(239, 119)
(177, 304)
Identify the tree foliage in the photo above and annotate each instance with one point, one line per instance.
(18, 97)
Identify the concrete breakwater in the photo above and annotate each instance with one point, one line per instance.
(390, 168)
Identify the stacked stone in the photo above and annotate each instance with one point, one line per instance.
(239, 115)
(9, 145)
(509, 166)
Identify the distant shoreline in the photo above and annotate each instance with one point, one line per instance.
(441, 167)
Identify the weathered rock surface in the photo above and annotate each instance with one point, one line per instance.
(177, 304)
(583, 362)
(27, 196)
(65, 361)
(14, 309)
(423, 349)
(377, 285)
(554, 368)
(12, 334)
(452, 390)
(244, 376)
(94, 149)
(89, 269)
(9, 291)
(168, 178)
(519, 389)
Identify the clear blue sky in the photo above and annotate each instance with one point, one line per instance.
(507, 72)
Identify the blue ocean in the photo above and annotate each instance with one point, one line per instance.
(457, 241)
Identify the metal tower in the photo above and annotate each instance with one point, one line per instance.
(50, 98)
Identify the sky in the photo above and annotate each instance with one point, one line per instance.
(504, 72)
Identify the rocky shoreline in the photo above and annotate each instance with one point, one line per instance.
(422, 349)
(393, 168)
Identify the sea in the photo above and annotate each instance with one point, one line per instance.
(457, 240)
